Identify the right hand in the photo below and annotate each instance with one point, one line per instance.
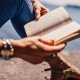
(39, 9)
(35, 49)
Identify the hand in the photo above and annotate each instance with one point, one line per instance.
(35, 49)
(39, 9)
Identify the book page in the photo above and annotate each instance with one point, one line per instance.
(47, 23)
(65, 33)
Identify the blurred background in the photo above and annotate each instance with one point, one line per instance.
(72, 7)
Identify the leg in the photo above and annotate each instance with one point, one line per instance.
(61, 69)
(19, 11)
(24, 15)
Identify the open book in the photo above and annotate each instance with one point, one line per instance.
(56, 24)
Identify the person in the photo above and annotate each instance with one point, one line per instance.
(32, 49)
(21, 12)
(61, 69)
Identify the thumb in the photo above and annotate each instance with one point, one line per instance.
(37, 13)
(47, 42)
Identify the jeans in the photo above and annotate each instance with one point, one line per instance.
(19, 12)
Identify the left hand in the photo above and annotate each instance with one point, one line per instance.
(39, 9)
(35, 49)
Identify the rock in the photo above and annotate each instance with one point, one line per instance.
(18, 69)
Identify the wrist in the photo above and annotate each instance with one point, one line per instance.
(6, 48)
(16, 45)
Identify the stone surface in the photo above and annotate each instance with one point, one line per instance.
(18, 69)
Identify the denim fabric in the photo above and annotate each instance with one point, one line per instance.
(19, 12)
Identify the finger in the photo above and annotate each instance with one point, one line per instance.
(44, 8)
(37, 10)
(44, 11)
(37, 13)
(50, 48)
(48, 42)
(55, 48)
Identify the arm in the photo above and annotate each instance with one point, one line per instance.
(34, 49)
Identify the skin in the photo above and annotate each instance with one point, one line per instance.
(39, 9)
(35, 49)
(60, 63)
